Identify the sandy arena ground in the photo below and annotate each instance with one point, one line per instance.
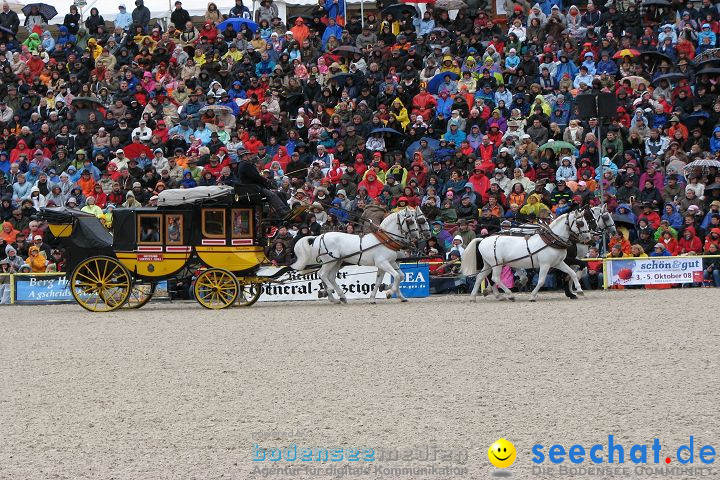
(176, 391)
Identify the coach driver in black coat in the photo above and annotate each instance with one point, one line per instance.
(249, 174)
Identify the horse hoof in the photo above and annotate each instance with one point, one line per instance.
(573, 297)
(581, 293)
(512, 299)
(373, 302)
(485, 293)
(388, 295)
(403, 300)
(473, 298)
(533, 300)
(343, 300)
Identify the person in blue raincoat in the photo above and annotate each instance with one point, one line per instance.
(671, 214)
(334, 9)
(332, 30)
(566, 66)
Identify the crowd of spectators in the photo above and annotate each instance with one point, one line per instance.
(453, 112)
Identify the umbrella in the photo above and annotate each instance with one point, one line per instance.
(557, 146)
(346, 51)
(390, 131)
(340, 78)
(450, 4)
(657, 3)
(7, 31)
(398, 9)
(709, 71)
(626, 52)
(709, 54)
(223, 114)
(237, 23)
(86, 102)
(670, 77)
(415, 146)
(714, 186)
(134, 150)
(635, 81)
(654, 58)
(47, 11)
(702, 164)
(440, 30)
(712, 62)
(693, 119)
(623, 219)
(435, 82)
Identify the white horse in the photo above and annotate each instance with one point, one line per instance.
(545, 249)
(381, 249)
(599, 220)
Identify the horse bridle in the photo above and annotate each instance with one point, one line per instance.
(580, 223)
(593, 223)
(409, 222)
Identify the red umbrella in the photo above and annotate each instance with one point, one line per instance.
(135, 149)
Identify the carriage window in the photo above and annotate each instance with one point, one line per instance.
(149, 230)
(213, 223)
(241, 224)
(174, 229)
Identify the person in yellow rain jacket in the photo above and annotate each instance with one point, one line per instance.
(400, 113)
(534, 205)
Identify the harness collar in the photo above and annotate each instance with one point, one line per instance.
(387, 241)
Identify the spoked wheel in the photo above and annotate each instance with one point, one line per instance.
(100, 284)
(140, 294)
(249, 293)
(216, 288)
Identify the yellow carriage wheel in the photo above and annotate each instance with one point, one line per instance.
(140, 294)
(100, 284)
(249, 293)
(216, 288)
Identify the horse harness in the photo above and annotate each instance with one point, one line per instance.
(392, 241)
(550, 238)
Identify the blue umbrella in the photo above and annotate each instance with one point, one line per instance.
(415, 146)
(435, 82)
(386, 130)
(692, 120)
(237, 23)
(340, 78)
(47, 11)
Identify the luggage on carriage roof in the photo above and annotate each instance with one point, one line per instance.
(244, 193)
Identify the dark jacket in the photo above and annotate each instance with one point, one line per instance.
(180, 17)
(10, 20)
(141, 14)
(248, 173)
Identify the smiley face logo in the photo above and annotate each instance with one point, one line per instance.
(502, 453)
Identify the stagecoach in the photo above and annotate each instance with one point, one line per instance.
(214, 234)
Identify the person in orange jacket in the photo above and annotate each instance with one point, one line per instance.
(86, 183)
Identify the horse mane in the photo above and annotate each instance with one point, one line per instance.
(557, 219)
(387, 220)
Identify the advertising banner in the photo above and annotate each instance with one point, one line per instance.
(43, 288)
(356, 282)
(53, 288)
(654, 270)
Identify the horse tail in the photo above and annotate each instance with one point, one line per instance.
(468, 261)
(303, 253)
